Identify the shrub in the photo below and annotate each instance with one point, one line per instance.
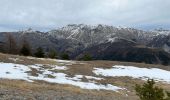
(39, 53)
(52, 54)
(150, 92)
(65, 56)
(25, 51)
(87, 57)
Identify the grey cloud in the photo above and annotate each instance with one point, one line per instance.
(56, 13)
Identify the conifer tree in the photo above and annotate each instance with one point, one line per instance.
(87, 57)
(25, 49)
(52, 54)
(65, 56)
(39, 53)
(150, 92)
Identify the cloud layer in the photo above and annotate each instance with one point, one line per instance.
(47, 14)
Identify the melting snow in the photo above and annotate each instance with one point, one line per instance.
(17, 71)
(13, 71)
(64, 61)
(62, 79)
(95, 78)
(144, 73)
(50, 67)
(59, 67)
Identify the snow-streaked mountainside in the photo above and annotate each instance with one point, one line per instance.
(90, 35)
(76, 39)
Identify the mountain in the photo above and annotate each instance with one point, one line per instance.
(90, 35)
(162, 40)
(127, 51)
(113, 43)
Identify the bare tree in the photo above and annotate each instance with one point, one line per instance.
(11, 45)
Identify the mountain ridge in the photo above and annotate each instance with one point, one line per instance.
(77, 38)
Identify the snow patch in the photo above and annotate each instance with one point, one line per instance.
(135, 72)
(62, 79)
(13, 71)
(20, 72)
(112, 40)
(15, 59)
(92, 77)
(64, 61)
(55, 67)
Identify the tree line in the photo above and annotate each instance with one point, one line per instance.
(10, 46)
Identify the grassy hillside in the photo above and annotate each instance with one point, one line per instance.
(82, 82)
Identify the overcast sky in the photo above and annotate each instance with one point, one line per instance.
(48, 14)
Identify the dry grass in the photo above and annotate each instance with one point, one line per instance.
(25, 60)
(34, 72)
(43, 87)
(39, 86)
(78, 68)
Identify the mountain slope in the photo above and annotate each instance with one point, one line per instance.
(161, 41)
(127, 51)
(77, 39)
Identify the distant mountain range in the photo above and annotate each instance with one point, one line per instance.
(102, 42)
